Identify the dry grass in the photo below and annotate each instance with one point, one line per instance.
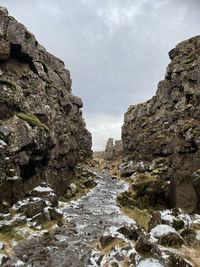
(141, 217)
(193, 255)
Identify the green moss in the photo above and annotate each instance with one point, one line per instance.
(189, 60)
(194, 131)
(160, 160)
(33, 121)
(63, 199)
(9, 83)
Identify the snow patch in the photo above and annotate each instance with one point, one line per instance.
(162, 229)
(19, 263)
(198, 235)
(149, 263)
(43, 189)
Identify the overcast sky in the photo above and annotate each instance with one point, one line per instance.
(116, 50)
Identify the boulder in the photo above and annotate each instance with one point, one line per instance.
(145, 245)
(166, 235)
(46, 193)
(132, 232)
(31, 207)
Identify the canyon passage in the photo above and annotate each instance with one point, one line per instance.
(134, 204)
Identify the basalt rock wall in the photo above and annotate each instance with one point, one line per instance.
(42, 132)
(167, 127)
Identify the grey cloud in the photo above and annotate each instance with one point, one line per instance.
(116, 50)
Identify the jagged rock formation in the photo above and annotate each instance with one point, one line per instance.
(166, 129)
(113, 150)
(42, 133)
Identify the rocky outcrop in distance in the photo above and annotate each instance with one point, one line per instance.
(113, 149)
(42, 133)
(163, 134)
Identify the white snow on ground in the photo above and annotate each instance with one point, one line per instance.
(196, 219)
(162, 229)
(42, 189)
(19, 263)
(167, 215)
(149, 263)
(198, 235)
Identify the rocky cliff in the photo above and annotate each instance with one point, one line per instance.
(164, 133)
(42, 132)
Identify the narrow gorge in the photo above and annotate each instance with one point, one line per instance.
(135, 204)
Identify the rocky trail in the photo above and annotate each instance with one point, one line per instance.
(94, 231)
(94, 216)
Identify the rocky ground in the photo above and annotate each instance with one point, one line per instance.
(94, 231)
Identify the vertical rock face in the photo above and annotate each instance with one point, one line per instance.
(42, 133)
(113, 150)
(167, 127)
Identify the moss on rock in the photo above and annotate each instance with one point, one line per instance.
(33, 121)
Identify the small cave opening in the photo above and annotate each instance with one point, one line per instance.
(33, 167)
(16, 53)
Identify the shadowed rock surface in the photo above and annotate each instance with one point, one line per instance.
(167, 127)
(42, 133)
